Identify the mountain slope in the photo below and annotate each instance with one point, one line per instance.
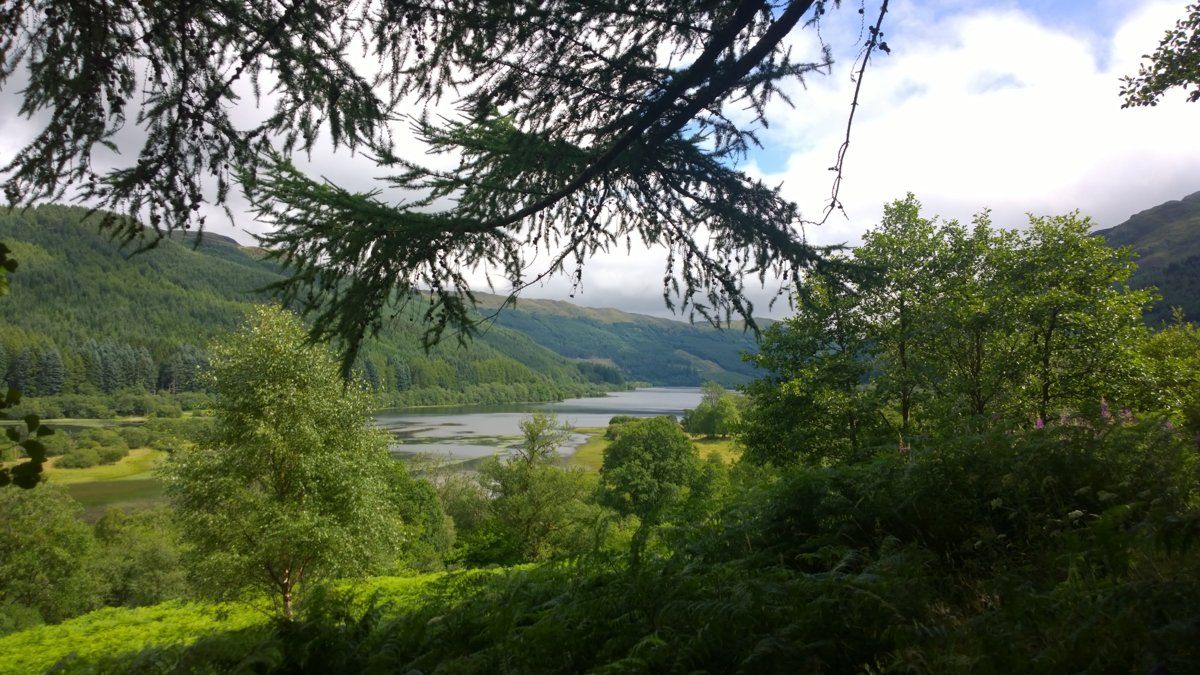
(109, 321)
(650, 349)
(1167, 239)
(77, 304)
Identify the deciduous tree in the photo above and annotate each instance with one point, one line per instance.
(294, 485)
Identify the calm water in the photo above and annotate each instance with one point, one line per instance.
(466, 432)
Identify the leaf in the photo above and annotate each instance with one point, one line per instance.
(13, 434)
(35, 450)
(31, 422)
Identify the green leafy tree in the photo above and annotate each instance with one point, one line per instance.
(647, 472)
(294, 484)
(900, 251)
(1176, 63)
(815, 406)
(538, 505)
(1082, 319)
(45, 556)
(581, 124)
(717, 414)
(974, 340)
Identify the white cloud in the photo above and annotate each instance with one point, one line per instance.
(992, 108)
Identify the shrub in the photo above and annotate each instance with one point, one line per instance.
(134, 436)
(105, 438)
(79, 458)
(112, 454)
(58, 443)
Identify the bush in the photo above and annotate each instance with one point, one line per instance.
(58, 443)
(134, 436)
(45, 554)
(165, 408)
(616, 424)
(111, 454)
(140, 558)
(79, 458)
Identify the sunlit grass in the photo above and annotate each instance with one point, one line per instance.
(114, 631)
(590, 455)
(138, 463)
(79, 644)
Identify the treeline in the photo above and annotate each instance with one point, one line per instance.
(82, 319)
(43, 368)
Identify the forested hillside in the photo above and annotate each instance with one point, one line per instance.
(1167, 240)
(84, 317)
(650, 349)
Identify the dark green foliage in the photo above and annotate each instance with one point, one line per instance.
(45, 554)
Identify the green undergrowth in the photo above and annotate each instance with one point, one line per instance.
(182, 634)
(80, 644)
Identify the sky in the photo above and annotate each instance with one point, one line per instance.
(1012, 106)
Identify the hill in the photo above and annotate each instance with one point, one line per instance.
(645, 348)
(1167, 239)
(85, 317)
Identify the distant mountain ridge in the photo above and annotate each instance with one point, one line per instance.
(1167, 240)
(78, 294)
(651, 349)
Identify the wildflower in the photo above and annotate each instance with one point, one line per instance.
(1104, 409)
(1039, 424)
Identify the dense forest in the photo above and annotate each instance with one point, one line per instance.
(85, 319)
(102, 325)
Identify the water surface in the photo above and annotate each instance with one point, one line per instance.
(467, 432)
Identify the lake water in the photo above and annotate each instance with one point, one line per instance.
(468, 432)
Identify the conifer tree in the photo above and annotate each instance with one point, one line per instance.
(581, 125)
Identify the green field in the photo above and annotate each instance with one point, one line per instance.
(590, 455)
(138, 464)
(128, 495)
